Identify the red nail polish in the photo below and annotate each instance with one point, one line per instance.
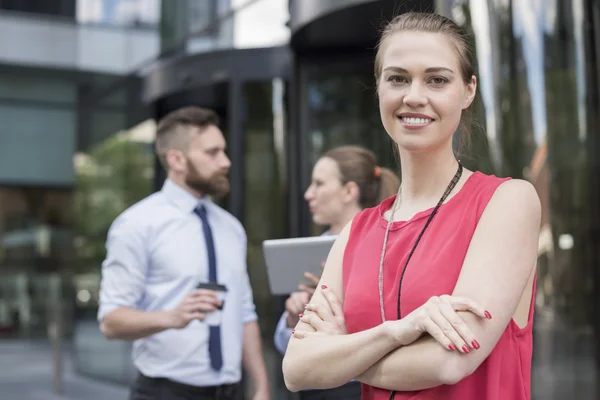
(466, 349)
(475, 344)
(488, 315)
(293, 331)
(323, 287)
(300, 315)
(452, 347)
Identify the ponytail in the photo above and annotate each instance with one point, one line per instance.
(388, 184)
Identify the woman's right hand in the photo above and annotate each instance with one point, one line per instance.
(438, 317)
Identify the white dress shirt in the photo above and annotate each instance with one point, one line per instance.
(156, 255)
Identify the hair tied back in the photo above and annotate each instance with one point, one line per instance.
(377, 171)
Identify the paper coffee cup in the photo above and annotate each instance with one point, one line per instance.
(213, 318)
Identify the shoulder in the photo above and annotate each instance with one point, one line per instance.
(372, 215)
(516, 199)
(138, 217)
(228, 220)
(517, 193)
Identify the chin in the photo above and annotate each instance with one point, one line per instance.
(317, 219)
(415, 143)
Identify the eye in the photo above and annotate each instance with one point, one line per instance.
(213, 152)
(438, 80)
(397, 79)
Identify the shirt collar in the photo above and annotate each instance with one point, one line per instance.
(183, 199)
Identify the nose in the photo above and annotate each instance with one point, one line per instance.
(415, 97)
(225, 162)
(309, 194)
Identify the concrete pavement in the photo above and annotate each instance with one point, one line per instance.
(26, 374)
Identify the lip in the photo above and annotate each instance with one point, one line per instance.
(414, 115)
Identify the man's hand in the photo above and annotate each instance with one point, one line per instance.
(194, 306)
(294, 305)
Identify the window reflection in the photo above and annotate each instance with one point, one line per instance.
(342, 109)
(534, 59)
(36, 254)
(110, 177)
(265, 203)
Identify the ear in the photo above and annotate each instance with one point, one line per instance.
(353, 191)
(176, 160)
(471, 90)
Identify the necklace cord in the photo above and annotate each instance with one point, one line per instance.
(447, 192)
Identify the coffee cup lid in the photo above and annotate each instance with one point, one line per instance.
(212, 286)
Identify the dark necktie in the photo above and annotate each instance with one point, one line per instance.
(214, 338)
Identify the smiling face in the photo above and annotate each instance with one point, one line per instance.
(421, 90)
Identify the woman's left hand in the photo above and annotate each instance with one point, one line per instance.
(326, 319)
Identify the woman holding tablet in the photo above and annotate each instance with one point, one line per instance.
(345, 180)
(430, 294)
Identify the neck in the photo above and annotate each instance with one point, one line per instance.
(179, 180)
(425, 175)
(337, 227)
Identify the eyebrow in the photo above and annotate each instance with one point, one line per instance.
(428, 70)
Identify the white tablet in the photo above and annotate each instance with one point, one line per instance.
(288, 259)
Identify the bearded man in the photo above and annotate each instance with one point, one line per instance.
(175, 278)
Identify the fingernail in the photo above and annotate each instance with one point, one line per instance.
(300, 315)
(488, 315)
(475, 344)
(306, 305)
(452, 347)
(293, 331)
(323, 287)
(466, 349)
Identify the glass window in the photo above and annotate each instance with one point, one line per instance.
(110, 177)
(119, 12)
(36, 257)
(341, 108)
(538, 79)
(265, 203)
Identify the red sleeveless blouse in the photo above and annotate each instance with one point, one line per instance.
(432, 271)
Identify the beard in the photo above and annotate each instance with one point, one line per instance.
(216, 186)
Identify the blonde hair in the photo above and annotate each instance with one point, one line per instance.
(357, 164)
(435, 23)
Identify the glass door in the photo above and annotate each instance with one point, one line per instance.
(338, 106)
(265, 210)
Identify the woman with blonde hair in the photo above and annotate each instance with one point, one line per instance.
(430, 294)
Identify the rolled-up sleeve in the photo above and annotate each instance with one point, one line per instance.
(124, 269)
(282, 334)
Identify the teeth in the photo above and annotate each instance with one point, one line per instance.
(416, 121)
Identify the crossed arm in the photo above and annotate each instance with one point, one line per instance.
(498, 267)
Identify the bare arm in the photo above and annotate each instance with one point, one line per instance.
(253, 359)
(131, 324)
(321, 361)
(498, 267)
